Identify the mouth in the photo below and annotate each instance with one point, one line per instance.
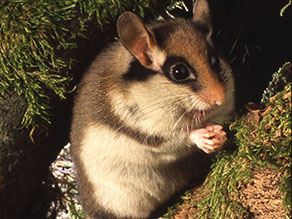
(192, 118)
(199, 114)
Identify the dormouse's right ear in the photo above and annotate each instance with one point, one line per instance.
(136, 38)
(201, 12)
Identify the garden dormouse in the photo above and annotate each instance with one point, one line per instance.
(145, 106)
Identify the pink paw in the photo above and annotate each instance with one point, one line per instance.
(209, 139)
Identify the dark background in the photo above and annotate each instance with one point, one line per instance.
(254, 38)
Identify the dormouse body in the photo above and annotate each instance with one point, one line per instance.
(146, 107)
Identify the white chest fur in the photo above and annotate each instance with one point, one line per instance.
(127, 175)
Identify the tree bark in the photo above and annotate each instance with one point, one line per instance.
(23, 164)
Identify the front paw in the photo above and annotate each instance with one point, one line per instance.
(209, 139)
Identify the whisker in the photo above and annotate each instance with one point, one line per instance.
(175, 125)
(167, 104)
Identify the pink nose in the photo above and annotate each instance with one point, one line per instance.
(217, 102)
(217, 95)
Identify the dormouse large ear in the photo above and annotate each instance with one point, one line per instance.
(136, 38)
(201, 12)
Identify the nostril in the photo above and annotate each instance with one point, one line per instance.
(217, 102)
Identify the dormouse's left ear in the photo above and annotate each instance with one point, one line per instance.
(201, 13)
(137, 39)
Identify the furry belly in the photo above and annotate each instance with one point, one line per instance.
(128, 178)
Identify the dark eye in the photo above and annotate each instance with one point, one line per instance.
(215, 63)
(179, 72)
(214, 60)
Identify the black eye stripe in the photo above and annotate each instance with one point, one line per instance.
(137, 72)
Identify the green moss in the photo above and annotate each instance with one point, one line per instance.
(263, 138)
(285, 188)
(228, 173)
(31, 34)
(171, 211)
(106, 11)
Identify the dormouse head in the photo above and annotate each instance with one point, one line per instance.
(175, 63)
